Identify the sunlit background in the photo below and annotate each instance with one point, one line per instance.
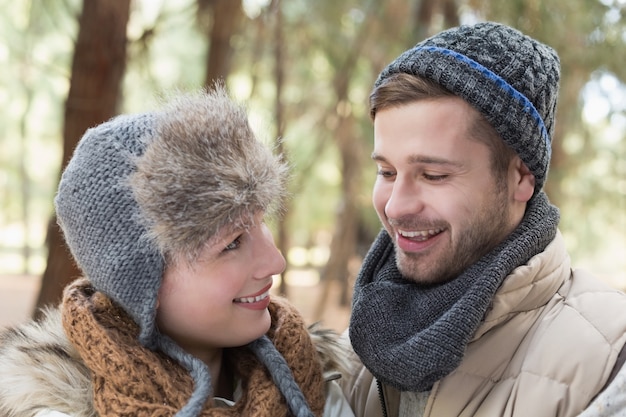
(327, 45)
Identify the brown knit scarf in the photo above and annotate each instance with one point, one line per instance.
(131, 380)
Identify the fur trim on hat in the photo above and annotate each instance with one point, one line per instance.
(203, 170)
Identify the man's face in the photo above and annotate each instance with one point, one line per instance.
(435, 191)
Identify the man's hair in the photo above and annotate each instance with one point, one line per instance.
(400, 89)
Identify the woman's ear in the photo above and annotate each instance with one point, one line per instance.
(523, 181)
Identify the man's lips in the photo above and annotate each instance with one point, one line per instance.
(417, 240)
(419, 235)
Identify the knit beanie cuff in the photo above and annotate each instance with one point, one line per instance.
(510, 78)
(510, 112)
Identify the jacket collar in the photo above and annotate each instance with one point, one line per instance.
(529, 286)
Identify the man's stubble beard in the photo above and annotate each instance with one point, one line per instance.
(483, 233)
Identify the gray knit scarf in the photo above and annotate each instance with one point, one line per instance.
(408, 335)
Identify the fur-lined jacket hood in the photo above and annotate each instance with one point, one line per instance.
(41, 370)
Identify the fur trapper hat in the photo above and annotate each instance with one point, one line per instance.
(512, 79)
(140, 189)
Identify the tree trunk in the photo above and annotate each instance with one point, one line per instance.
(225, 16)
(450, 12)
(279, 79)
(425, 11)
(344, 242)
(98, 69)
(567, 116)
(343, 245)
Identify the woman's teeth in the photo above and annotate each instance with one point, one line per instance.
(252, 299)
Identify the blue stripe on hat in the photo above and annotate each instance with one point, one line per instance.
(527, 105)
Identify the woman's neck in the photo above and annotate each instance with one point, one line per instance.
(221, 375)
(224, 385)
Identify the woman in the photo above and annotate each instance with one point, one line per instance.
(164, 213)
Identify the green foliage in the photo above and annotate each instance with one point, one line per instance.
(333, 52)
(35, 54)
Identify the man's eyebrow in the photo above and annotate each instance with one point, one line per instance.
(377, 157)
(420, 159)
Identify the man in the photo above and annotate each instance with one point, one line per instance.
(466, 304)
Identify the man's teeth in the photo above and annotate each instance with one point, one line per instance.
(420, 233)
(252, 299)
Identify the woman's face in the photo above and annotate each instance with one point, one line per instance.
(220, 300)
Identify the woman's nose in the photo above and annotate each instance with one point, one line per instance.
(272, 260)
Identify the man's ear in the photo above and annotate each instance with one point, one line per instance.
(523, 180)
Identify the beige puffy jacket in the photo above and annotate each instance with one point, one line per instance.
(545, 349)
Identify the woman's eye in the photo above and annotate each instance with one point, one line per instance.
(234, 244)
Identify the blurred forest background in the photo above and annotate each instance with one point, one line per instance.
(304, 69)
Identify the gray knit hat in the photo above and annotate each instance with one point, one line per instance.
(512, 79)
(141, 188)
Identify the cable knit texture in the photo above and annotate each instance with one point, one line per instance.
(512, 79)
(131, 380)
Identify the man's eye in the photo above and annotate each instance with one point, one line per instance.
(234, 244)
(386, 173)
(431, 177)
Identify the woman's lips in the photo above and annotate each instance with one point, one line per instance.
(258, 301)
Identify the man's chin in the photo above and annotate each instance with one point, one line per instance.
(421, 276)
